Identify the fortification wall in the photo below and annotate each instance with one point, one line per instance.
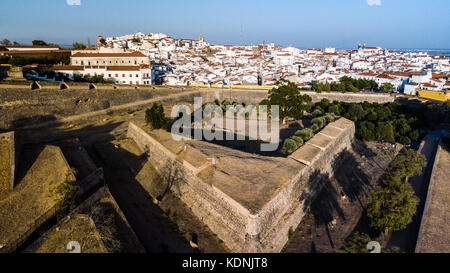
(434, 229)
(224, 216)
(286, 210)
(255, 96)
(13, 153)
(265, 231)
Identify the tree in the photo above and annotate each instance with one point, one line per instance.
(404, 140)
(5, 42)
(392, 208)
(408, 163)
(387, 87)
(39, 43)
(286, 94)
(385, 131)
(414, 135)
(356, 112)
(323, 104)
(366, 131)
(78, 46)
(155, 116)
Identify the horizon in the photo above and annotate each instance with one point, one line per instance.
(401, 24)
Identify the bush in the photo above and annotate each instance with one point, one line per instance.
(329, 117)
(414, 135)
(306, 134)
(334, 109)
(155, 116)
(356, 244)
(289, 146)
(405, 140)
(315, 128)
(298, 140)
(319, 121)
(317, 112)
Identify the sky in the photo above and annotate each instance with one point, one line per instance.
(300, 23)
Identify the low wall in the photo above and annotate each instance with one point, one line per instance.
(242, 231)
(255, 96)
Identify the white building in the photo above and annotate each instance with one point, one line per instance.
(139, 75)
(109, 59)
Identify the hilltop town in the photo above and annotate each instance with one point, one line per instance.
(148, 59)
(89, 155)
(186, 62)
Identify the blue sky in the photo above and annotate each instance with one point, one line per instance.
(301, 23)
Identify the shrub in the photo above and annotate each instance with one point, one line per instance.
(334, 109)
(319, 121)
(317, 112)
(315, 127)
(155, 116)
(298, 140)
(289, 146)
(306, 134)
(329, 117)
(356, 244)
(414, 135)
(405, 140)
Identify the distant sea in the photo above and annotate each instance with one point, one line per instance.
(443, 52)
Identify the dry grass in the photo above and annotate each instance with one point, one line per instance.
(79, 228)
(20, 208)
(5, 170)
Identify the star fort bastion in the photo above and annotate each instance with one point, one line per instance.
(250, 201)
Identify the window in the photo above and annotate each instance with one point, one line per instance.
(117, 75)
(123, 75)
(109, 75)
(131, 76)
(137, 75)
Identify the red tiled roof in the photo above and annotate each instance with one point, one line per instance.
(92, 55)
(18, 52)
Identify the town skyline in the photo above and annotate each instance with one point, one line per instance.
(393, 25)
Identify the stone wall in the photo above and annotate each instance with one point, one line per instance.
(266, 231)
(434, 233)
(255, 96)
(14, 151)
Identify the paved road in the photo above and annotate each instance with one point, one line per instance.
(406, 239)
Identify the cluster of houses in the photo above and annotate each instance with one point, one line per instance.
(145, 59)
(188, 62)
